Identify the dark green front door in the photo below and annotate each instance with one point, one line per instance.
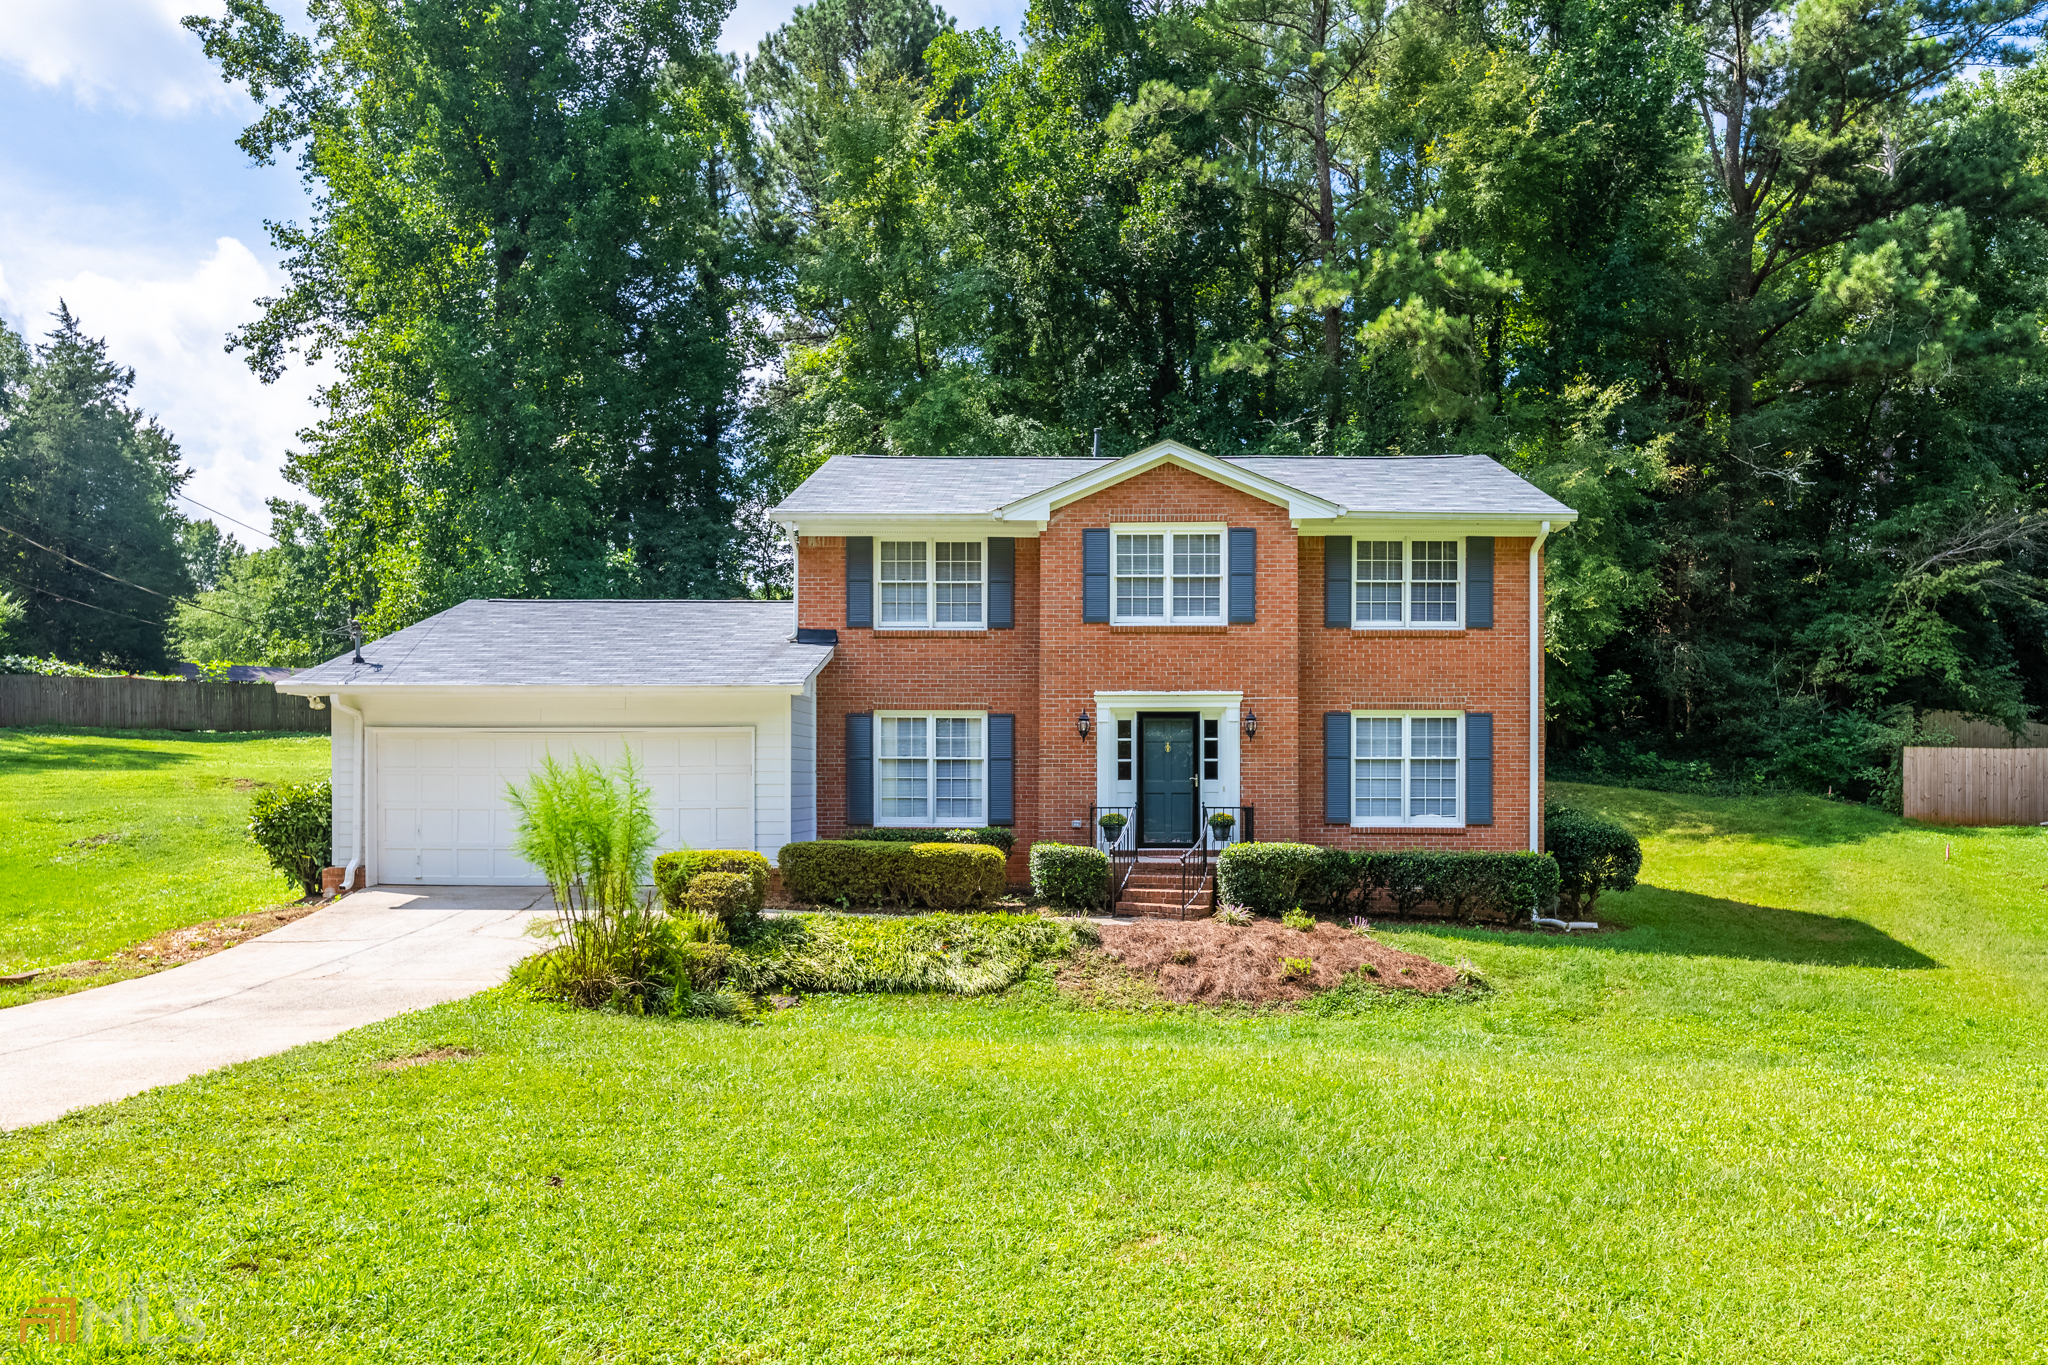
(1166, 780)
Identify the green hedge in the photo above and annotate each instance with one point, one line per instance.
(991, 836)
(673, 873)
(294, 826)
(867, 872)
(1070, 876)
(1593, 854)
(1270, 879)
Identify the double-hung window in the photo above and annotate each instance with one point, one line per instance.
(930, 769)
(1406, 769)
(1168, 575)
(930, 584)
(1407, 583)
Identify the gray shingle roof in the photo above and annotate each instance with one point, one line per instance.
(510, 642)
(1427, 485)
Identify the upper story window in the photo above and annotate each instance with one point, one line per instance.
(929, 584)
(1408, 583)
(1168, 574)
(1405, 769)
(930, 769)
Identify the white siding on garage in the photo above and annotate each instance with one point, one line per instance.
(803, 764)
(342, 773)
(442, 816)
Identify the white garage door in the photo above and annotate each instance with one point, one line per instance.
(442, 819)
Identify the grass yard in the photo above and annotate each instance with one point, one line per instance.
(1795, 1113)
(108, 837)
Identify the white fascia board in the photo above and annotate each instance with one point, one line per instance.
(1039, 506)
(1412, 524)
(697, 690)
(973, 526)
(1166, 701)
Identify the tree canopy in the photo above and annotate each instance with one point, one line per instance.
(1757, 286)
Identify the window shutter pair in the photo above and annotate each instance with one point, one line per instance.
(860, 769)
(1337, 767)
(1002, 582)
(1478, 582)
(1242, 569)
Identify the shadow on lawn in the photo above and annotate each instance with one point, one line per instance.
(1787, 820)
(20, 750)
(1660, 920)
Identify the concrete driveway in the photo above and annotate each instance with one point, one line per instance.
(366, 957)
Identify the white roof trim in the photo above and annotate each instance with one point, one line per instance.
(1039, 506)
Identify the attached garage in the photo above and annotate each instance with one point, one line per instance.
(438, 719)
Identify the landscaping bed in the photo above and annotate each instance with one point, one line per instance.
(1197, 962)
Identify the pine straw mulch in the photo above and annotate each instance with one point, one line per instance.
(1204, 961)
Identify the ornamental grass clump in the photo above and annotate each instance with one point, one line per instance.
(590, 831)
(294, 826)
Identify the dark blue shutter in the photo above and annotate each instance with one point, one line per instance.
(860, 581)
(1002, 582)
(1337, 583)
(1479, 582)
(1336, 767)
(1095, 574)
(1478, 767)
(1244, 574)
(1002, 770)
(860, 768)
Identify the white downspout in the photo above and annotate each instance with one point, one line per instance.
(1536, 690)
(796, 580)
(348, 874)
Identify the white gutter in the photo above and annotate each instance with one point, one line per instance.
(1536, 690)
(348, 875)
(796, 611)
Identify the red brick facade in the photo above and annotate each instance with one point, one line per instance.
(1290, 667)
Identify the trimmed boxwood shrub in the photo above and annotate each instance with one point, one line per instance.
(1266, 878)
(1070, 876)
(1270, 879)
(992, 836)
(294, 826)
(867, 872)
(727, 897)
(1593, 854)
(673, 873)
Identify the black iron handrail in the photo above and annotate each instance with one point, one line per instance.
(1194, 874)
(1237, 831)
(1122, 848)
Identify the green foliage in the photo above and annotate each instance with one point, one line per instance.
(294, 826)
(859, 872)
(727, 897)
(57, 668)
(1070, 876)
(1295, 919)
(954, 954)
(272, 606)
(1593, 854)
(994, 836)
(1296, 968)
(638, 962)
(89, 477)
(673, 873)
(526, 259)
(12, 609)
(1265, 879)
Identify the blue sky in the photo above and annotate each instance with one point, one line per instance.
(122, 192)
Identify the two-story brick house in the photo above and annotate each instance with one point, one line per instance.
(1339, 651)
(1343, 651)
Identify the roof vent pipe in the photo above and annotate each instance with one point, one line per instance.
(1098, 443)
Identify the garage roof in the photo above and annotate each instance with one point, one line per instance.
(517, 642)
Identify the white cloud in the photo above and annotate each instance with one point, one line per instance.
(129, 53)
(170, 326)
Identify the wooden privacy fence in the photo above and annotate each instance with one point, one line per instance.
(148, 704)
(1972, 733)
(1977, 786)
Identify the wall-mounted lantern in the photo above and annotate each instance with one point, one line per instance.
(1251, 724)
(1081, 724)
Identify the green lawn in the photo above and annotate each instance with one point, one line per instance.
(1796, 1113)
(108, 837)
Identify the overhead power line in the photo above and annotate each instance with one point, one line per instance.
(90, 606)
(118, 579)
(225, 517)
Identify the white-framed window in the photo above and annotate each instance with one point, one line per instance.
(1167, 574)
(930, 584)
(1407, 768)
(930, 768)
(1403, 583)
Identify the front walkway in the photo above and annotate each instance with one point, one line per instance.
(366, 957)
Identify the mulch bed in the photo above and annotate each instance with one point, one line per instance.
(1206, 962)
